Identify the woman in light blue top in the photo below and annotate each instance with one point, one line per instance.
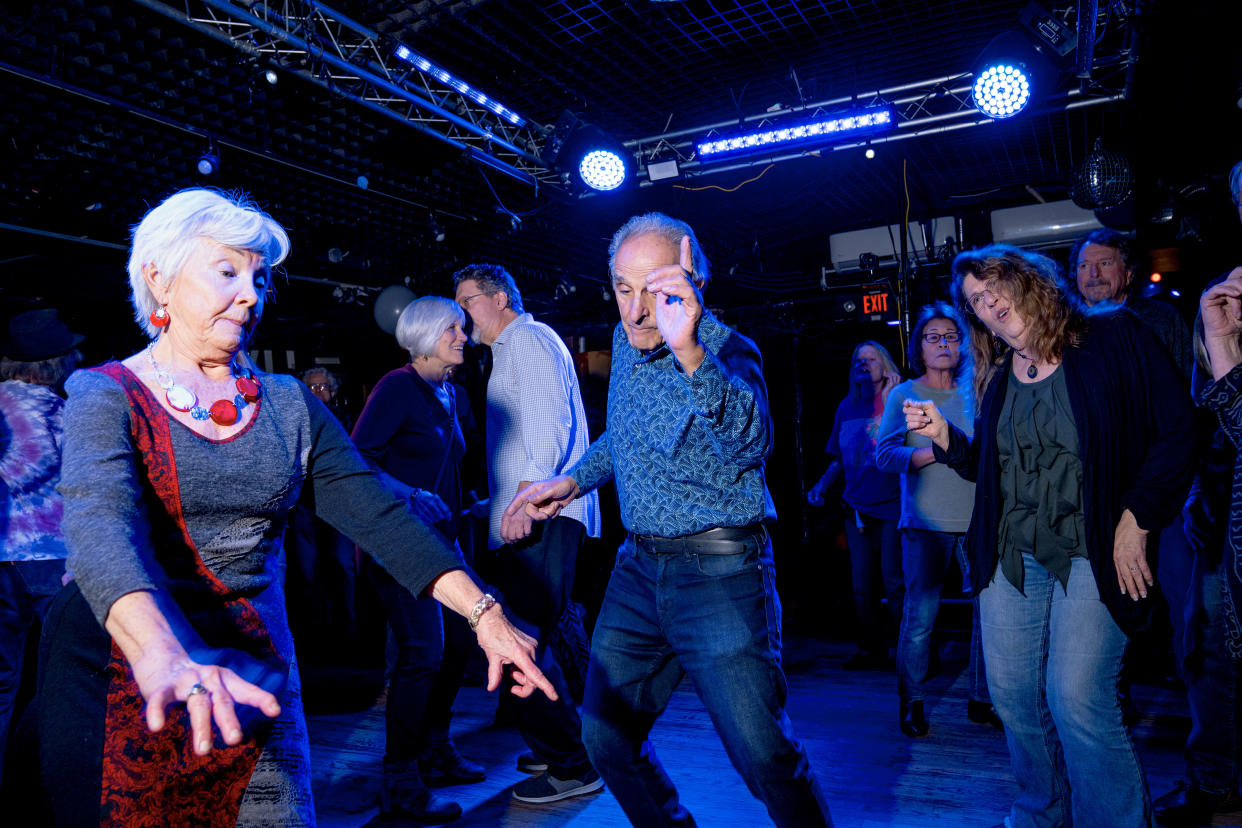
(935, 509)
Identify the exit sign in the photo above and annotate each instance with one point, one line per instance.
(878, 304)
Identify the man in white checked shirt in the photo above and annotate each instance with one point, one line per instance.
(536, 429)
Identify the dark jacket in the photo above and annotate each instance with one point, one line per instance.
(1135, 433)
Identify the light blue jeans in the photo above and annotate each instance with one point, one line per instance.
(1053, 660)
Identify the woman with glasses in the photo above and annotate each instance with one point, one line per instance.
(935, 509)
(1082, 446)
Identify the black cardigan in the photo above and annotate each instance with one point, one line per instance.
(1135, 432)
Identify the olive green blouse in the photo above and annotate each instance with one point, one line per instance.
(1041, 479)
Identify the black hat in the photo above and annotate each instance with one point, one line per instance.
(38, 334)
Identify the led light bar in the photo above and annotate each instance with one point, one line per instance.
(448, 79)
(824, 129)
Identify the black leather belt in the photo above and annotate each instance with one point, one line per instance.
(708, 537)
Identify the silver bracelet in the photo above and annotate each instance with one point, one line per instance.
(481, 606)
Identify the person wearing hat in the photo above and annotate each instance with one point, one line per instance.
(38, 354)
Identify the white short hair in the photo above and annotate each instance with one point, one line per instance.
(422, 322)
(168, 234)
(668, 228)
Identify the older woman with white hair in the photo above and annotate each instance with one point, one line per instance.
(170, 688)
(409, 430)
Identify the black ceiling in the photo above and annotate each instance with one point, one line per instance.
(108, 105)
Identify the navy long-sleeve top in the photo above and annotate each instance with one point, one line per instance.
(1135, 433)
(687, 452)
(406, 431)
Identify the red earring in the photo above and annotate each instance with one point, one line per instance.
(159, 317)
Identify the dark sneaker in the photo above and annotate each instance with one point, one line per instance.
(547, 788)
(530, 763)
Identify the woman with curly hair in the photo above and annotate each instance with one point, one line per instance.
(1077, 453)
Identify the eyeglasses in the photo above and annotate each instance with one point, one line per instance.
(319, 386)
(465, 300)
(975, 302)
(934, 338)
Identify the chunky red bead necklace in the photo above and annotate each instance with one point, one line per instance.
(222, 412)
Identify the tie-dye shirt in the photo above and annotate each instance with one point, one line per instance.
(30, 506)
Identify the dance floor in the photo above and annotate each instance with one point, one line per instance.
(873, 775)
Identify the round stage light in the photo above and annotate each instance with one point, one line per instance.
(602, 170)
(207, 163)
(1002, 90)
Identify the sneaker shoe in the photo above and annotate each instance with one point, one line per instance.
(547, 788)
(530, 763)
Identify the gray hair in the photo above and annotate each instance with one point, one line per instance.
(669, 229)
(169, 233)
(423, 321)
(329, 377)
(491, 279)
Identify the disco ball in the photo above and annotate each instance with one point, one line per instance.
(1102, 180)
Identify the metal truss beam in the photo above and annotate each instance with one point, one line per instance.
(922, 108)
(309, 39)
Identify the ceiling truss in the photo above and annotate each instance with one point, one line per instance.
(324, 47)
(922, 108)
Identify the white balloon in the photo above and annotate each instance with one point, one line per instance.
(389, 304)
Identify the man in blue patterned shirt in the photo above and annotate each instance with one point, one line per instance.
(693, 589)
(536, 427)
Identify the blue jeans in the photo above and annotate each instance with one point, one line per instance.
(875, 572)
(1053, 660)
(708, 610)
(926, 556)
(1212, 749)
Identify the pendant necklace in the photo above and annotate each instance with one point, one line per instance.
(222, 412)
(1031, 370)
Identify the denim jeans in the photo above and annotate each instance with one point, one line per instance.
(1212, 749)
(926, 556)
(1053, 660)
(875, 571)
(709, 611)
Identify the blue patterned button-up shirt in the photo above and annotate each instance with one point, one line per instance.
(686, 452)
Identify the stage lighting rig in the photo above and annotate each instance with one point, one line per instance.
(587, 157)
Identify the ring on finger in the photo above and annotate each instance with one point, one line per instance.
(196, 690)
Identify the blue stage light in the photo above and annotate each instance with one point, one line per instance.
(602, 170)
(448, 79)
(874, 119)
(1002, 90)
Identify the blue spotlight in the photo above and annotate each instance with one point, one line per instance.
(823, 130)
(1011, 73)
(1002, 90)
(602, 169)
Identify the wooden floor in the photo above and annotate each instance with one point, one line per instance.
(873, 776)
